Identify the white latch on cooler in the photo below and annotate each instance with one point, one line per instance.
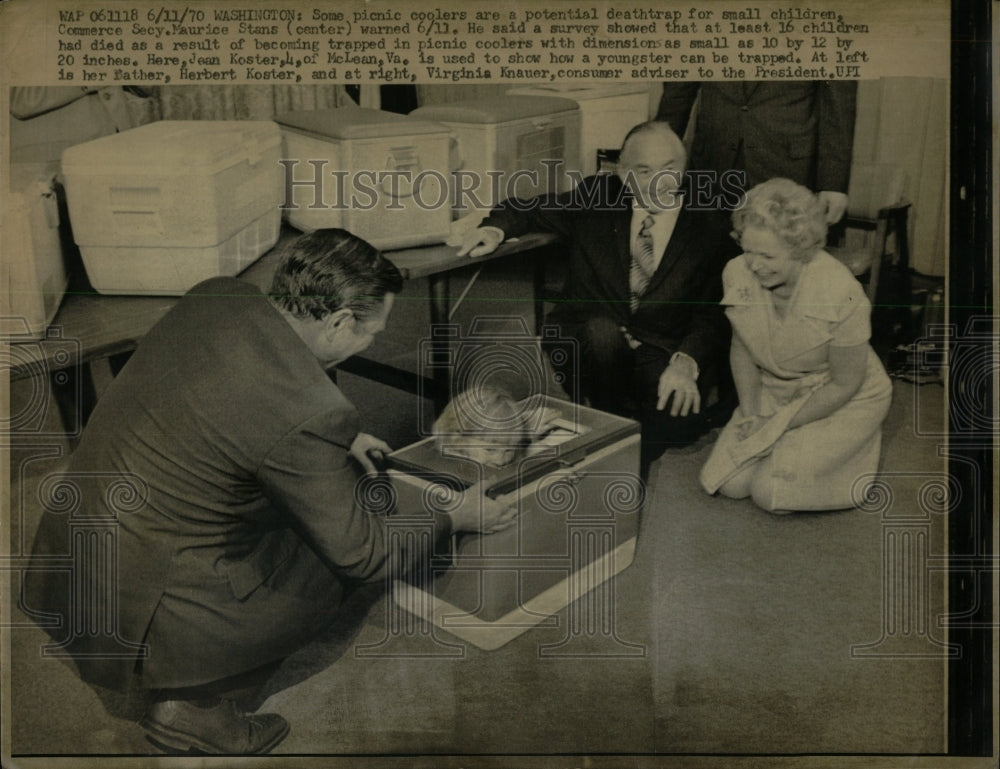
(403, 159)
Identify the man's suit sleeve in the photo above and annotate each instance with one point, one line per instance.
(836, 108)
(554, 212)
(309, 476)
(676, 103)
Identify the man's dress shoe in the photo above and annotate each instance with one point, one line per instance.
(217, 728)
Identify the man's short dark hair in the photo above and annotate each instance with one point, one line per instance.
(329, 270)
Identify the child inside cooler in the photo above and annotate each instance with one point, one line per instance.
(487, 425)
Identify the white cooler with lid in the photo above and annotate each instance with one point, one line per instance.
(607, 113)
(159, 208)
(380, 175)
(517, 139)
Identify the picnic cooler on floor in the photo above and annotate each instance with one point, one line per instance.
(510, 137)
(34, 266)
(159, 208)
(607, 113)
(578, 494)
(392, 182)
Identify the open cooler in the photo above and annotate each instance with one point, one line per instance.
(382, 176)
(159, 208)
(578, 493)
(513, 146)
(607, 113)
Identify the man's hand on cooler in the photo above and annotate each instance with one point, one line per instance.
(478, 513)
(366, 446)
(481, 241)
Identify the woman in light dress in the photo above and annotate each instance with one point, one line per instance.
(813, 394)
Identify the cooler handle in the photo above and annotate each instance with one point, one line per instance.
(405, 159)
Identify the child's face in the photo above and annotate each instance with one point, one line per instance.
(495, 452)
(499, 455)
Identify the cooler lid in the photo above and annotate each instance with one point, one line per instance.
(498, 110)
(590, 431)
(200, 147)
(356, 123)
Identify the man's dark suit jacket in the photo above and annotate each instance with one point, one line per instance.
(680, 310)
(800, 130)
(227, 425)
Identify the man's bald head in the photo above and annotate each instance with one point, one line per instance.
(651, 164)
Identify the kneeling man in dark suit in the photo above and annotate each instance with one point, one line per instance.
(219, 526)
(643, 284)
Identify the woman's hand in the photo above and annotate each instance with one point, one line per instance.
(748, 426)
(364, 446)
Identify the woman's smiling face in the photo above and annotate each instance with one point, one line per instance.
(770, 259)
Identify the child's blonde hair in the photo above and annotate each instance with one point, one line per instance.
(478, 420)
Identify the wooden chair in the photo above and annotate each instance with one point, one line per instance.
(876, 212)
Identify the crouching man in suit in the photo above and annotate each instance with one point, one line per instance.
(643, 284)
(240, 530)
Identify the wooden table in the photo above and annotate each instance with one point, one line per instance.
(91, 327)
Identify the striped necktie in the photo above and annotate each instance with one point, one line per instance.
(643, 262)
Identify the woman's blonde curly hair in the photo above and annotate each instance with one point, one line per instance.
(790, 211)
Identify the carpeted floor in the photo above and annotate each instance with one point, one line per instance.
(733, 631)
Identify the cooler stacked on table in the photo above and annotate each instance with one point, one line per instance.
(159, 208)
(513, 146)
(382, 176)
(607, 113)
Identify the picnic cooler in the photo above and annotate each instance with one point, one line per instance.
(34, 266)
(394, 183)
(578, 498)
(607, 113)
(510, 136)
(159, 208)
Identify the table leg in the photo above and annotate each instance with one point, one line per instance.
(438, 288)
(538, 291)
(75, 397)
(903, 261)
